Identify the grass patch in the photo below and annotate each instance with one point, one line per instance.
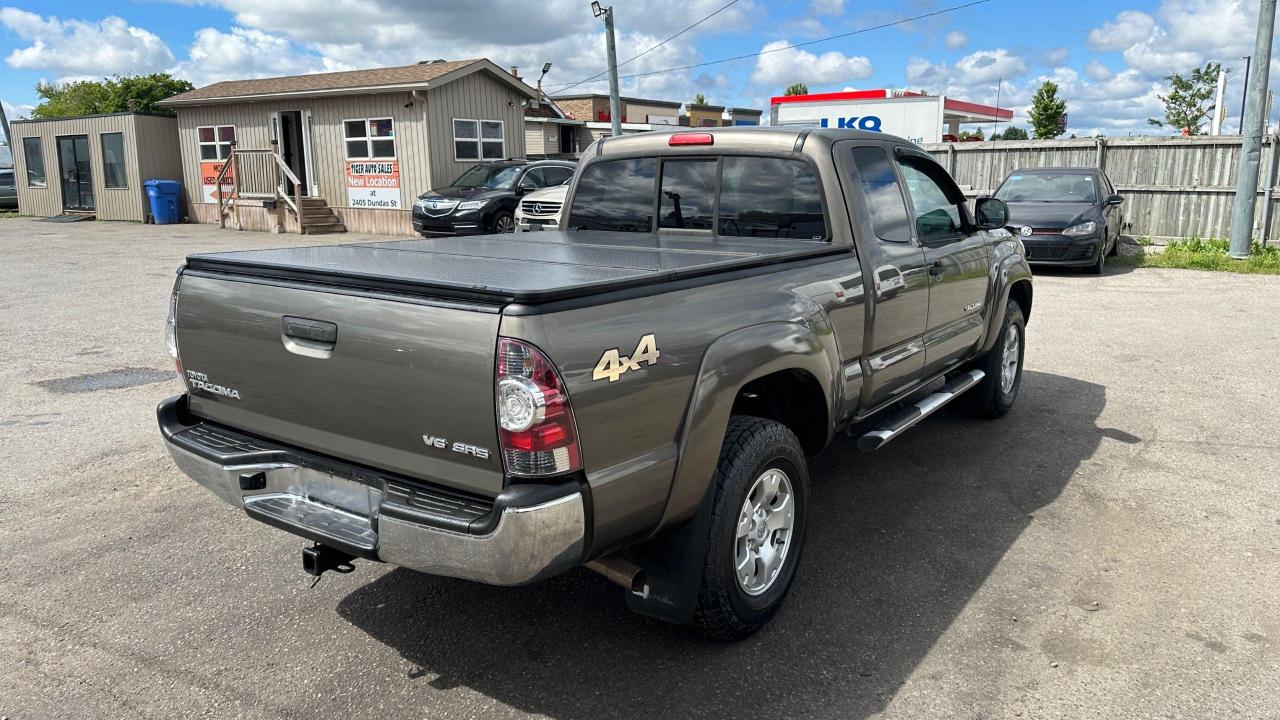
(8, 213)
(1197, 254)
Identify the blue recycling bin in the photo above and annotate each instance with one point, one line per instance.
(164, 196)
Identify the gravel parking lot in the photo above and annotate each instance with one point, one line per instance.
(1110, 549)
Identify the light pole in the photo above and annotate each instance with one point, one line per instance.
(615, 104)
(1251, 135)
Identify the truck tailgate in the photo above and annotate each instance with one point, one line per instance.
(398, 369)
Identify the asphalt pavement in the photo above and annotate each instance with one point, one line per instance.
(1110, 549)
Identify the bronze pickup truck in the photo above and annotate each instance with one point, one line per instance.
(638, 392)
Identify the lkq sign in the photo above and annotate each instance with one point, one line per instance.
(913, 117)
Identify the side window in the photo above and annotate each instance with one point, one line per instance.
(688, 194)
(770, 197)
(557, 175)
(535, 178)
(880, 187)
(615, 195)
(936, 216)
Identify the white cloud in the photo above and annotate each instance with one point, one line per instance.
(1054, 56)
(985, 66)
(826, 7)
(83, 48)
(787, 66)
(1098, 71)
(242, 53)
(956, 40)
(1129, 28)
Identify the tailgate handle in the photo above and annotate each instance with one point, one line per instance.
(311, 331)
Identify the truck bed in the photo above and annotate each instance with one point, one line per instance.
(524, 268)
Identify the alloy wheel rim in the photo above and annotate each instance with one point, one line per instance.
(1009, 359)
(504, 224)
(763, 537)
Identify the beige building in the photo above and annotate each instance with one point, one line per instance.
(593, 107)
(704, 115)
(93, 164)
(362, 144)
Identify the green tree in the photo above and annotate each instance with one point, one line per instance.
(1047, 111)
(966, 134)
(797, 89)
(700, 99)
(1011, 133)
(123, 93)
(83, 97)
(140, 93)
(1190, 99)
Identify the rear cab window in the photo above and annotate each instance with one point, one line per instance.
(734, 196)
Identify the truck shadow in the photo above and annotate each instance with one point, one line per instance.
(899, 542)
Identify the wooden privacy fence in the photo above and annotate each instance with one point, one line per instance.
(1173, 187)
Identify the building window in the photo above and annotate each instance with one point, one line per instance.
(478, 140)
(216, 141)
(34, 155)
(374, 138)
(113, 160)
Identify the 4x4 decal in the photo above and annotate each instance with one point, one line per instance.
(612, 364)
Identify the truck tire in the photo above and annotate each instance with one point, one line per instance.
(758, 523)
(993, 397)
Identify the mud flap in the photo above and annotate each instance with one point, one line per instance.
(673, 568)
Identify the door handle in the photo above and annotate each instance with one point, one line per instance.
(937, 269)
(311, 338)
(317, 331)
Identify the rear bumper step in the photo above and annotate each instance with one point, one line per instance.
(900, 422)
(529, 532)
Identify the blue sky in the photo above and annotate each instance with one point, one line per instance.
(1108, 58)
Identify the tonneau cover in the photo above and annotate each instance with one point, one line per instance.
(528, 267)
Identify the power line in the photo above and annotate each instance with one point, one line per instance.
(646, 52)
(881, 26)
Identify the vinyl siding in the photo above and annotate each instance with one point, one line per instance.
(328, 148)
(474, 97)
(153, 138)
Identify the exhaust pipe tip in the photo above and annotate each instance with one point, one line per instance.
(623, 573)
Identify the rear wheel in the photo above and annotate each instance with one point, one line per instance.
(1002, 366)
(757, 530)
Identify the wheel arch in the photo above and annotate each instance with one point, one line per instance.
(763, 360)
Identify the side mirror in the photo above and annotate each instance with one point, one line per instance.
(992, 213)
(1115, 200)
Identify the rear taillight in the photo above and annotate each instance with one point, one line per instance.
(171, 332)
(535, 422)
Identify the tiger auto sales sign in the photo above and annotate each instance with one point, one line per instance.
(373, 184)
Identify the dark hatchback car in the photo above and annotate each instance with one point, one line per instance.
(484, 199)
(1065, 216)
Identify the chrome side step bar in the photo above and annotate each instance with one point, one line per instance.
(900, 422)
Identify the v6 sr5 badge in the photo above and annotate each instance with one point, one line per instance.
(613, 364)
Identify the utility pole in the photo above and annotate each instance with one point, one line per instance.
(1215, 127)
(615, 103)
(1251, 134)
(1245, 92)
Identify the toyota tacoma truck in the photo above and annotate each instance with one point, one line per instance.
(639, 392)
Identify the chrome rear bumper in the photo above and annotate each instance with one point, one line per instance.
(530, 532)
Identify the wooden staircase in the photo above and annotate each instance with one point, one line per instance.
(317, 218)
